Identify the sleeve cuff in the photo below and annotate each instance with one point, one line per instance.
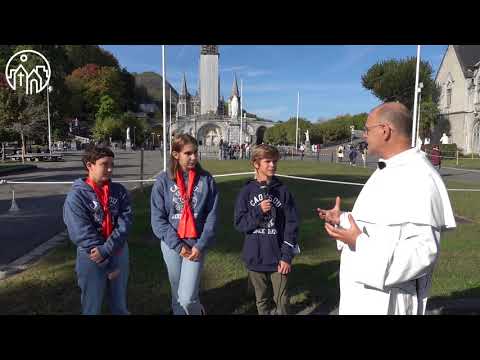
(103, 251)
(286, 253)
(178, 247)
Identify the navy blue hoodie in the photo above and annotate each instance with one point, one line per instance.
(269, 237)
(167, 206)
(83, 216)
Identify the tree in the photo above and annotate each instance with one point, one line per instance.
(19, 112)
(81, 55)
(60, 96)
(283, 133)
(107, 108)
(429, 118)
(394, 80)
(104, 128)
(142, 129)
(90, 83)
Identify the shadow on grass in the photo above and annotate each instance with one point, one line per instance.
(465, 302)
(308, 285)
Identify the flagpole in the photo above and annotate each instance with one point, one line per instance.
(241, 113)
(296, 129)
(415, 99)
(170, 125)
(164, 113)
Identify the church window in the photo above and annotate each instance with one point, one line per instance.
(449, 97)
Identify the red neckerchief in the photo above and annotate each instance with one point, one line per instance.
(186, 226)
(103, 196)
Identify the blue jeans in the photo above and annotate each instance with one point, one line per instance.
(92, 280)
(184, 276)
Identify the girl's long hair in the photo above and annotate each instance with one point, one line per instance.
(178, 142)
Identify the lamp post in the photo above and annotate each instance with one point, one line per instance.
(49, 89)
(134, 138)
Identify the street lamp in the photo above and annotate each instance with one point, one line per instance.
(49, 89)
(134, 138)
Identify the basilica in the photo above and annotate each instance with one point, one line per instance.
(207, 116)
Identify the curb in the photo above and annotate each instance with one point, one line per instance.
(26, 261)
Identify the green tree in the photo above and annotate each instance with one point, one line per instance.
(108, 108)
(90, 83)
(19, 112)
(283, 133)
(394, 80)
(139, 127)
(429, 118)
(107, 127)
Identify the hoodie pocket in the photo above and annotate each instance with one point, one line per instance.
(251, 250)
(269, 250)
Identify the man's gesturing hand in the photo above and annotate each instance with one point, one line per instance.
(331, 216)
(347, 236)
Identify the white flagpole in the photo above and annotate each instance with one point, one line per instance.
(415, 99)
(164, 113)
(241, 113)
(170, 124)
(296, 130)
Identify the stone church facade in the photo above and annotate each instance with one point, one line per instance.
(459, 80)
(210, 118)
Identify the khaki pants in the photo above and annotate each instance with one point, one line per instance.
(267, 284)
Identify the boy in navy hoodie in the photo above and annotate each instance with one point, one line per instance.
(98, 217)
(265, 212)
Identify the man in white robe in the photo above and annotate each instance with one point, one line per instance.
(390, 241)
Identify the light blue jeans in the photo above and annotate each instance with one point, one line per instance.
(92, 280)
(184, 276)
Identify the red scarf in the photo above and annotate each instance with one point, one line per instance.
(103, 196)
(186, 226)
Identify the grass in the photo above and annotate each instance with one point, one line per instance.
(50, 287)
(466, 163)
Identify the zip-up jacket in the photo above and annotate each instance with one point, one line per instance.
(167, 206)
(83, 216)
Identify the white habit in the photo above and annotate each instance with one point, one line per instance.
(401, 212)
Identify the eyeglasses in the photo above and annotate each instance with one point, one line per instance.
(366, 129)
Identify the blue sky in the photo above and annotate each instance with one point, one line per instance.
(327, 76)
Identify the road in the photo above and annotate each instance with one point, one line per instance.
(40, 215)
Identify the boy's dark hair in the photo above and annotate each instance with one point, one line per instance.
(94, 152)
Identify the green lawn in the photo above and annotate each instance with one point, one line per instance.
(466, 163)
(50, 286)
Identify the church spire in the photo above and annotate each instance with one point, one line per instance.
(184, 86)
(235, 87)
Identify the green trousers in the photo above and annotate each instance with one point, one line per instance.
(270, 292)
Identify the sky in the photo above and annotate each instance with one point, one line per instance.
(328, 77)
